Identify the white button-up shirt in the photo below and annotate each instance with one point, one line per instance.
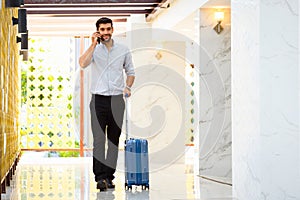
(107, 69)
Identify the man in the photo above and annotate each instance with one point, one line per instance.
(108, 60)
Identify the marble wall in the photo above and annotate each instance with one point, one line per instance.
(265, 100)
(157, 106)
(215, 97)
(245, 100)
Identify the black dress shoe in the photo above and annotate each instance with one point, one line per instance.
(102, 185)
(110, 184)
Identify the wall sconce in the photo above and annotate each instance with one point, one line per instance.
(13, 3)
(24, 41)
(21, 21)
(25, 55)
(219, 16)
(22, 18)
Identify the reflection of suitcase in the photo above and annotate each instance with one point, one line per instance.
(136, 161)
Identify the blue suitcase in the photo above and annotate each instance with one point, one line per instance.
(136, 161)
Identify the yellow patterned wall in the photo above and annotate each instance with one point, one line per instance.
(9, 91)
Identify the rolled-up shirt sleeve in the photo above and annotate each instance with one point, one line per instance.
(128, 64)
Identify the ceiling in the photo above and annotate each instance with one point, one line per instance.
(217, 4)
(78, 17)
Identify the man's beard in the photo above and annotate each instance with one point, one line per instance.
(106, 40)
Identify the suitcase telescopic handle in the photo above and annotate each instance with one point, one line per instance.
(126, 116)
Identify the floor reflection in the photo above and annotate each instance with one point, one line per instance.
(108, 195)
(39, 178)
(134, 195)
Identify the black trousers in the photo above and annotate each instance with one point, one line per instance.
(107, 114)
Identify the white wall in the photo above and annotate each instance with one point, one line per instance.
(215, 97)
(158, 95)
(178, 11)
(214, 128)
(265, 100)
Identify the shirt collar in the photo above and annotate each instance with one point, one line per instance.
(114, 44)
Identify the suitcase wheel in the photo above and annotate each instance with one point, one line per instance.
(145, 187)
(128, 187)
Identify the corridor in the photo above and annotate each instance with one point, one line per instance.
(215, 91)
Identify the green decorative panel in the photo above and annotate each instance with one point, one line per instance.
(49, 96)
(191, 104)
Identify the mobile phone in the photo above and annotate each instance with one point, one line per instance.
(99, 39)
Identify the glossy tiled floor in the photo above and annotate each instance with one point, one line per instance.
(40, 178)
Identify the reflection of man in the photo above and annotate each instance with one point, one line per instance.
(107, 104)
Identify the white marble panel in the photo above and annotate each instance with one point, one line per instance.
(266, 114)
(279, 83)
(157, 105)
(245, 99)
(215, 96)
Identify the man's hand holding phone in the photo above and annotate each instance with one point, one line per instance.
(96, 37)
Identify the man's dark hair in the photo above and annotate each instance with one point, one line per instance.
(103, 20)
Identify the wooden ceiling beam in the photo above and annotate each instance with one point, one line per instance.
(89, 5)
(86, 12)
(113, 2)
